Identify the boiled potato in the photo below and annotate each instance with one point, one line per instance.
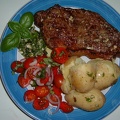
(66, 85)
(107, 73)
(83, 81)
(82, 77)
(90, 101)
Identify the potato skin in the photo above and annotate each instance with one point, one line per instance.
(90, 101)
(107, 73)
(66, 86)
(83, 82)
(82, 77)
(72, 61)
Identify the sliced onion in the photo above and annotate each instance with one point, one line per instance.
(22, 60)
(35, 78)
(51, 110)
(48, 70)
(33, 63)
(36, 71)
(50, 78)
(36, 67)
(39, 83)
(50, 100)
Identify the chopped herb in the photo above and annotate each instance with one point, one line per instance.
(18, 66)
(49, 61)
(103, 74)
(54, 54)
(113, 75)
(89, 74)
(52, 92)
(43, 73)
(89, 99)
(61, 54)
(34, 46)
(33, 83)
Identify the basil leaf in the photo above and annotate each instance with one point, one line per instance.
(27, 20)
(14, 26)
(25, 33)
(10, 41)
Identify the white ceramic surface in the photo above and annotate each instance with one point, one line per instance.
(8, 110)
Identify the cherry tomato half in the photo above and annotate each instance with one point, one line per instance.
(29, 96)
(45, 79)
(23, 82)
(40, 103)
(17, 66)
(58, 79)
(55, 99)
(42, 91)
(56, 90)
(56, 70)
(65, 107)
(59, 55)
(30, 72)
(40, 61)
(28, 61)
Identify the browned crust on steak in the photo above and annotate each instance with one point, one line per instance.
(81, 32)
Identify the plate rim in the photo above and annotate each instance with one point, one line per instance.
(1, 71)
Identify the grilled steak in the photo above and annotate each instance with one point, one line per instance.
(81, 32)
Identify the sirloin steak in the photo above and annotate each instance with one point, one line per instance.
(80, 31)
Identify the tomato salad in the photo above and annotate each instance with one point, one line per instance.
(37, 71)
(45, 80)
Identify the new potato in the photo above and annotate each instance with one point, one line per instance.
(72, 61)
(107, 73)
(89, 101)
(82, 77)
(83, 81)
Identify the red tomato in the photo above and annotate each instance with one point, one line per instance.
(30, 72)
(60, 55)
(65, 107)
(58, 79)
(40, 61)
(45, 79)
(17, 66)
(28, 61)
(29, 96)
(23, 82)
(56, 90)
(55, 99)
(56, 70)
(40, 103)
(42, 91)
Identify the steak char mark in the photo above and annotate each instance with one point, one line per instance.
(81, 32)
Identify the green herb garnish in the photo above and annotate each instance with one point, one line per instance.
(89, 74)
(20, 30)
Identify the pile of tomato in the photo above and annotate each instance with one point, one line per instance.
(45, 81)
